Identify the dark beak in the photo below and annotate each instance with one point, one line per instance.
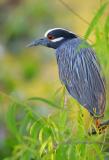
(42, 41)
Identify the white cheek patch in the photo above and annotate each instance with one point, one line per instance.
(57, 39)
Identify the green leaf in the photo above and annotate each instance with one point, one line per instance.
(62, 120)
(24, 123)
(41, 135)
(50, 103)
(54, 130)
(95, 20)
(99, 154)
(106, 31)
(62, 152)
(71, 152)
(11, 120)
(43, 146)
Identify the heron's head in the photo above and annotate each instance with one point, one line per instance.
(53, 38)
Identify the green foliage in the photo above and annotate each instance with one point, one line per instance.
(95, 20)
(50, 138)
(45, 101)
(34, 136)
(11, 122)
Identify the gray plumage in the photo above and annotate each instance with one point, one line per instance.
(80, 73)
(79, 70)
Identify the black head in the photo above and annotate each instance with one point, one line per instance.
(53, 38)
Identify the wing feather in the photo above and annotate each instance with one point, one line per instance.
(81, 74)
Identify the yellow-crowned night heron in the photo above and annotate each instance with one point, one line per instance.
(78, 68)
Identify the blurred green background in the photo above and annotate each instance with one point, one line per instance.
(33, 72)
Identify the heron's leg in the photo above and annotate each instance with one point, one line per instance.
(97, 123)
(101, 127)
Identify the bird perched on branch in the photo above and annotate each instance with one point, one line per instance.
(79, 69)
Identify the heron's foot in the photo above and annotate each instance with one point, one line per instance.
(103, 126)
(100, 127)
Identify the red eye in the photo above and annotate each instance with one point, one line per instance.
(50, 37)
